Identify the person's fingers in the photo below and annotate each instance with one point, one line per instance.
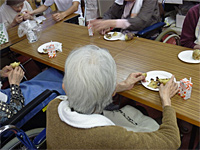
(137, 74)
(171, 79)
(140, 78)
(174, 90)
(17, 68)
(161, 86)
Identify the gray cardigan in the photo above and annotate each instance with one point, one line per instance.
(148, 15)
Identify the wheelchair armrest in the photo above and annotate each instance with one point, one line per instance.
(40, 137)
(151, 28)
(30, 106)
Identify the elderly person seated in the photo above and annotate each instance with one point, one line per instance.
(77, 121)
(65, 8)
(131, 15)
(19, 94)
(13, 12)
(190, 35)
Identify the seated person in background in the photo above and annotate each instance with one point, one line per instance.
(65, 8)
(76, 121)
(190, 35)
(19, 95)
(132, 15)
(13, 12)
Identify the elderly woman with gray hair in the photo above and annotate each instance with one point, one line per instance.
(79, 121)
(13, 12)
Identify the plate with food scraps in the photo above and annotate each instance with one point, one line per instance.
(113, 36)
(154, 78)
(49, 46)
(187, 56)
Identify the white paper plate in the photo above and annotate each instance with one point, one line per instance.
(186, 56)
(154, 74)
(43, 46)
(119, 36)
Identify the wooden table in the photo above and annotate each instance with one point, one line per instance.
(13, 32)
(138, 55)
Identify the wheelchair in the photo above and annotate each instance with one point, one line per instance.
(165, 34)
(31, 139)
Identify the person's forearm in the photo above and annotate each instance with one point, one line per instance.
(69, 11)
(39, 10)
(17, 98)
(14, 23)
(122, 23)
(120, 87)
(16, 103)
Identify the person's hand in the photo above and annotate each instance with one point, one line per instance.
(168, 91)
(15, 76)
(129, 83)
(58, 16)
(27, 15)
(5, 71)
(18, 19)
(104, 31)
(100, 25)
(197, 46)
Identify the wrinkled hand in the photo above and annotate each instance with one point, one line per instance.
(58, 16)
(15, 76)
(129, 83)
(102, 26)
(27, 15)
(168, 91)
(5, 71)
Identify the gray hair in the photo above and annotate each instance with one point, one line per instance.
(90, 79)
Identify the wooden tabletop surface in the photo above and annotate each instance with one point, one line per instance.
(13, 32)
(138, 55)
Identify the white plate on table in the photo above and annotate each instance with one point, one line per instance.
(154, 74)
(186, 56)
(44, 46)
(119, 36)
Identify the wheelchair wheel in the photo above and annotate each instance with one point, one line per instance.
(16, 144)
(169, 36)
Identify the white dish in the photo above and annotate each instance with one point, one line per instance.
(154, 74)
(119, 36)
(186, 56)
(44, 46)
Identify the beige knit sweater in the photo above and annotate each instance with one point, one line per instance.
(62, 136)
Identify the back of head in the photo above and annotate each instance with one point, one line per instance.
(90, 79)
(13, 2)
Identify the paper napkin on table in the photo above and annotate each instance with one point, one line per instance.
(39, 19)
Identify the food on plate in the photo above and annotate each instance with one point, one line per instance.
(144, 74)
(196, 54)
(15, 64)
(156, 83)
(115, 34)
(153, 84)
(109, 36)
(129, 36)
(45, 50)
(163, 81)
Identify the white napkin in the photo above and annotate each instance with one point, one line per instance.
(40, 19)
